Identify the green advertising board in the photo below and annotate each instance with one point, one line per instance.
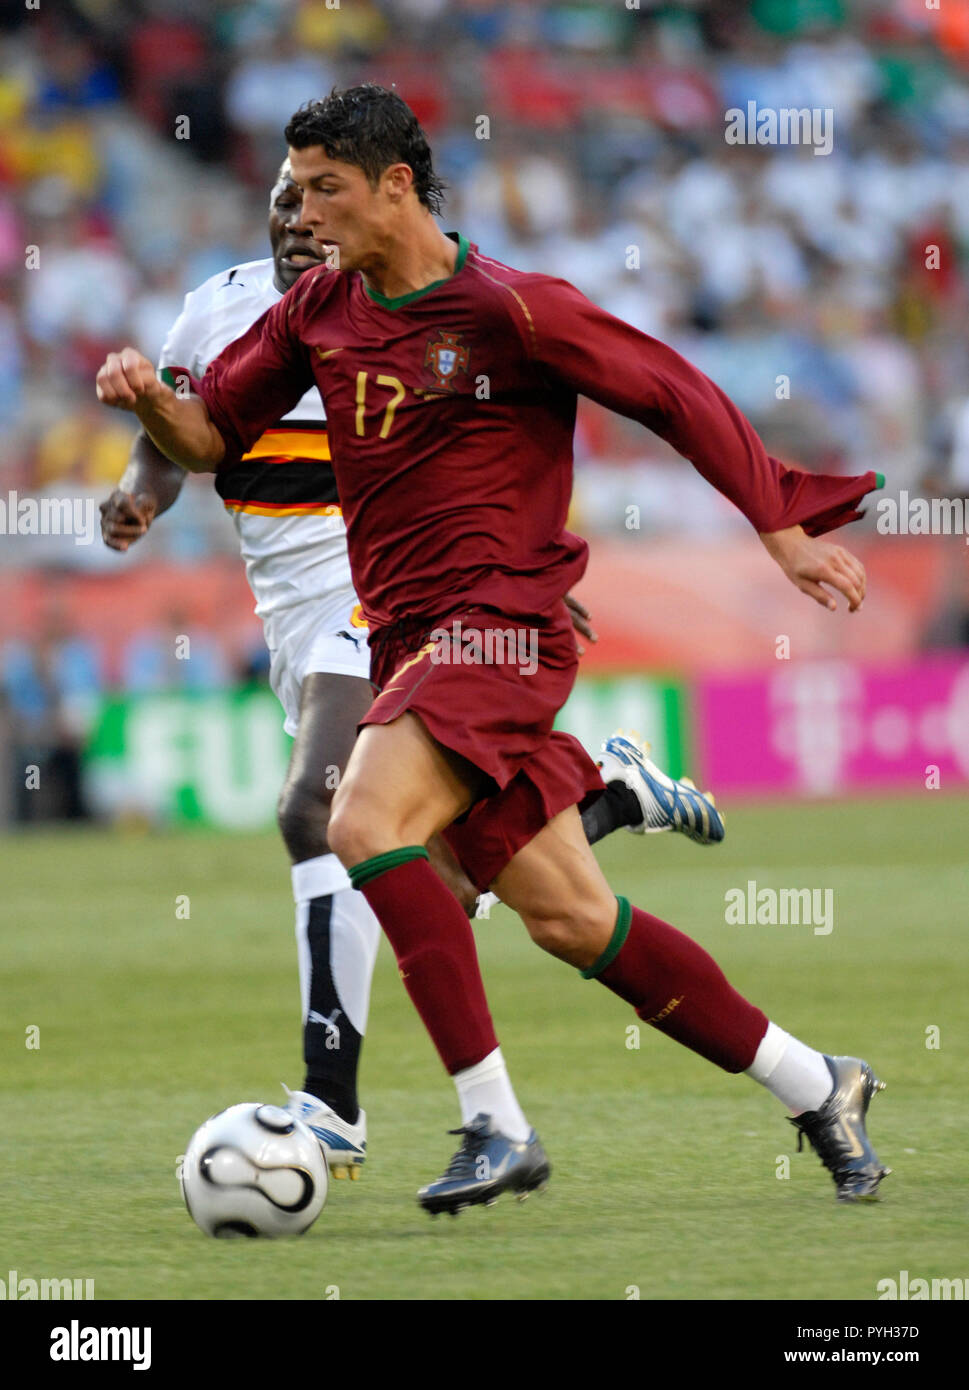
(214, 758)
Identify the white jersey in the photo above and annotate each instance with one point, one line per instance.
(282, 497)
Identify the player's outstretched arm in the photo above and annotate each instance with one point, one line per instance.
(149, 486)
(179, 426)
(638, 376)
(817, 566)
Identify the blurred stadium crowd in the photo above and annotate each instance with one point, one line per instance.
(606, 133)
(139, 138)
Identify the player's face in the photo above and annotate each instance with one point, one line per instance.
(294, 249)
(340, 206)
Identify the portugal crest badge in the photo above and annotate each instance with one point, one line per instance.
(446, 358)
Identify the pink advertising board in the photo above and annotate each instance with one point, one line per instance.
(822, 727)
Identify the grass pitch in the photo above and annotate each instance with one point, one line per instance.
(668, 1175)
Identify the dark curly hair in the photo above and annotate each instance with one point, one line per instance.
(371, 127)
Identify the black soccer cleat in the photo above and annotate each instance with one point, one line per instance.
(837, 1131)
(487, 1164)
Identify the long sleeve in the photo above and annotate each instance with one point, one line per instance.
(611, 362)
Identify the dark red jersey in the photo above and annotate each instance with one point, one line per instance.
(451, 414)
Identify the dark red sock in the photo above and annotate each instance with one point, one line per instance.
(434, 945)
(677, 987)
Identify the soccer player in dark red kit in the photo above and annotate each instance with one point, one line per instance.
(450, 383)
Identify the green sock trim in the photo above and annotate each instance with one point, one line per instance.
(879, 479)
(382, 863)
(616, 941)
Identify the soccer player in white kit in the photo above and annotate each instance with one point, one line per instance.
(283, 500)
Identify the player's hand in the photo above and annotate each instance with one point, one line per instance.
(816, 566)
(125, 519)
(127, 378)
(581, 621)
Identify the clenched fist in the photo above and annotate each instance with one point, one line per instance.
(125, 519)
(127, 378)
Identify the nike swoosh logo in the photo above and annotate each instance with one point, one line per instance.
(330, 352)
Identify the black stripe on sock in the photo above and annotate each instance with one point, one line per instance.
(331, 1050)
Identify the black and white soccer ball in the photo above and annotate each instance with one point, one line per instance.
(254, 1170)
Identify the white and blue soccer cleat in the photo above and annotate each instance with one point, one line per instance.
(667, 803)
(344, 1145)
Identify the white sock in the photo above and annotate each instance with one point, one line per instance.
(797, 1075)
(354, 935)
(486, 1088)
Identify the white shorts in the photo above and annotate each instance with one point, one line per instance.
(320, 634)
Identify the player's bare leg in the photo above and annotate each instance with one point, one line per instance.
(675, 986)
(400, 788)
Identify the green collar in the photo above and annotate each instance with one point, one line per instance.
(405, 299)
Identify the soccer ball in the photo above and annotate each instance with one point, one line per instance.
(254, 1170)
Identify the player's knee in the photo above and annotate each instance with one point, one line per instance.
(303, 814)
(577, 936)
(357, 829)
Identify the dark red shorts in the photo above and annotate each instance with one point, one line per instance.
(489, 687)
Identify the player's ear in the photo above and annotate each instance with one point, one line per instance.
(398, 180)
